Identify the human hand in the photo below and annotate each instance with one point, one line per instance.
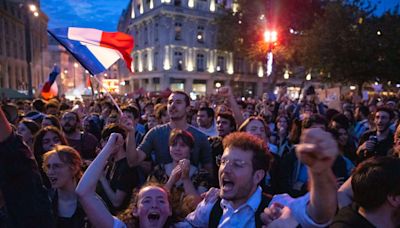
(225, 91)
(115, 141)
(211, 195)
(175, 174)
(185, 167)
(278, 215)
(317, 149)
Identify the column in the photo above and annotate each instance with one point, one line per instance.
(188, 85)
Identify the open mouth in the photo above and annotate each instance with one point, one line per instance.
(153, 217)
(53, 180)
(227, 185)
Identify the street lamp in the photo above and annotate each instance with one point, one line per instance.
(286, 75)
(28, 39)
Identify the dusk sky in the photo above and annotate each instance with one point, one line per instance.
(104, 14)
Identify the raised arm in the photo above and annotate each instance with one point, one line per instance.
(5, 127)
(345, 194)
(21, 186)
(318, 150)
(226, 91)
(96, 211)
(133, 155)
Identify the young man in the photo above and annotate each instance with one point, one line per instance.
(84, 142)
(157, 138)
(376, 195)
(206, 122)
(244, 164)
(377, 142)
(226, 124)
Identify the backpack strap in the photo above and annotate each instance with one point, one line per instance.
(265, 200)
(215, 215)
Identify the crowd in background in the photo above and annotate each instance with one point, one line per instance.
(175, 162)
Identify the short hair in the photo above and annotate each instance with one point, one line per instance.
(160, 110)
(113, 128)
(341, 119)
(38, 104)
(375, 179)
(52, 104)
(68, 155)
(228, 116)
(31, 125)
(242, 140)
(54, 120)
(185, 136)
(187, 98)
(210, 112)
(364, 110)
(132, 109)
(314, 119)
(78, 119)
(385, 109)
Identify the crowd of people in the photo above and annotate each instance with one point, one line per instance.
(213, 162)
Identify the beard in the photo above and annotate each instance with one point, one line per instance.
(68, 129)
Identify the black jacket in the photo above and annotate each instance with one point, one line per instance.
(26, 199)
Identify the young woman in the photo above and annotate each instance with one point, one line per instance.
(45, 140)
(63, 168)
(151, 207)
(27, 129)
(185, 181)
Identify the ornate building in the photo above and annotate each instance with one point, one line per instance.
(23, 45)
(175, 47)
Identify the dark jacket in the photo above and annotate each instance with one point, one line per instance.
(25, 197)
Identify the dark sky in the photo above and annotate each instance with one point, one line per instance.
(104, 14)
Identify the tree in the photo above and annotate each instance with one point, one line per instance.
(242, 31)
(348, 45)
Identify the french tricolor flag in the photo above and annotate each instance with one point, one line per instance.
(94, 49)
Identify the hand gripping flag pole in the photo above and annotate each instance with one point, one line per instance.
(96, 50)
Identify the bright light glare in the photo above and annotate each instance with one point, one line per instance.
(286, 75)
(352, 88)
(36, 14)
(270, 36)
(32, 8)
(308, 77)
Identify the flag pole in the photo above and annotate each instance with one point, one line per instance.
(109, 94)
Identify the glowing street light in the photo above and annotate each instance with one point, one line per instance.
(270, 36)
(32, 8)
(308, 77)
(286, 75)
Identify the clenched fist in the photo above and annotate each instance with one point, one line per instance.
(317, 149)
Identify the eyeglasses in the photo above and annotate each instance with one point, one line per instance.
(236, 164)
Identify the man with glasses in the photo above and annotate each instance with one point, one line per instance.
(243, 166)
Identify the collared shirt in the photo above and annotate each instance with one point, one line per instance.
(243, 216)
